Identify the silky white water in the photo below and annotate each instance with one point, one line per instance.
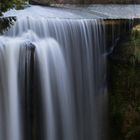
(107, 11)
(53, 79)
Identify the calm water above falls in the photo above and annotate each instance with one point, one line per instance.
(53, 78)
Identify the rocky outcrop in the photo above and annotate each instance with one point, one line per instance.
(6, 23)
(44, 2)
(124, 95)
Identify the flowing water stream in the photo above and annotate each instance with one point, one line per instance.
(53, 77)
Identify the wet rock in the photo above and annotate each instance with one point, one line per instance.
(129, 50)
(124, 88)
(6, 23)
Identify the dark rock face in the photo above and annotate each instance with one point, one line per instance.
(124, 102)
(44, 2)
(6, 23)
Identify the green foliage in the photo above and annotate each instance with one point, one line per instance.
(7, 4)
(5, 23)
(135, 41)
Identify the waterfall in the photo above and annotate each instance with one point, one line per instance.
(53, 79)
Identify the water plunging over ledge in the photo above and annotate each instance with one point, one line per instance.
(95, 11)
(53, 77)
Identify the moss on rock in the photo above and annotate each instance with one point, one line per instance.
(124, 69)
(125, 102)
(129, 51)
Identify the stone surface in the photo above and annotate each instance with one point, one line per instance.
(44, 2)
(124, 97)
(124, 100)
(129, 50)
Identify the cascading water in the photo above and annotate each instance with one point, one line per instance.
(53, 79)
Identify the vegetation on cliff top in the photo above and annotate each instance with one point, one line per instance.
(7, 4)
